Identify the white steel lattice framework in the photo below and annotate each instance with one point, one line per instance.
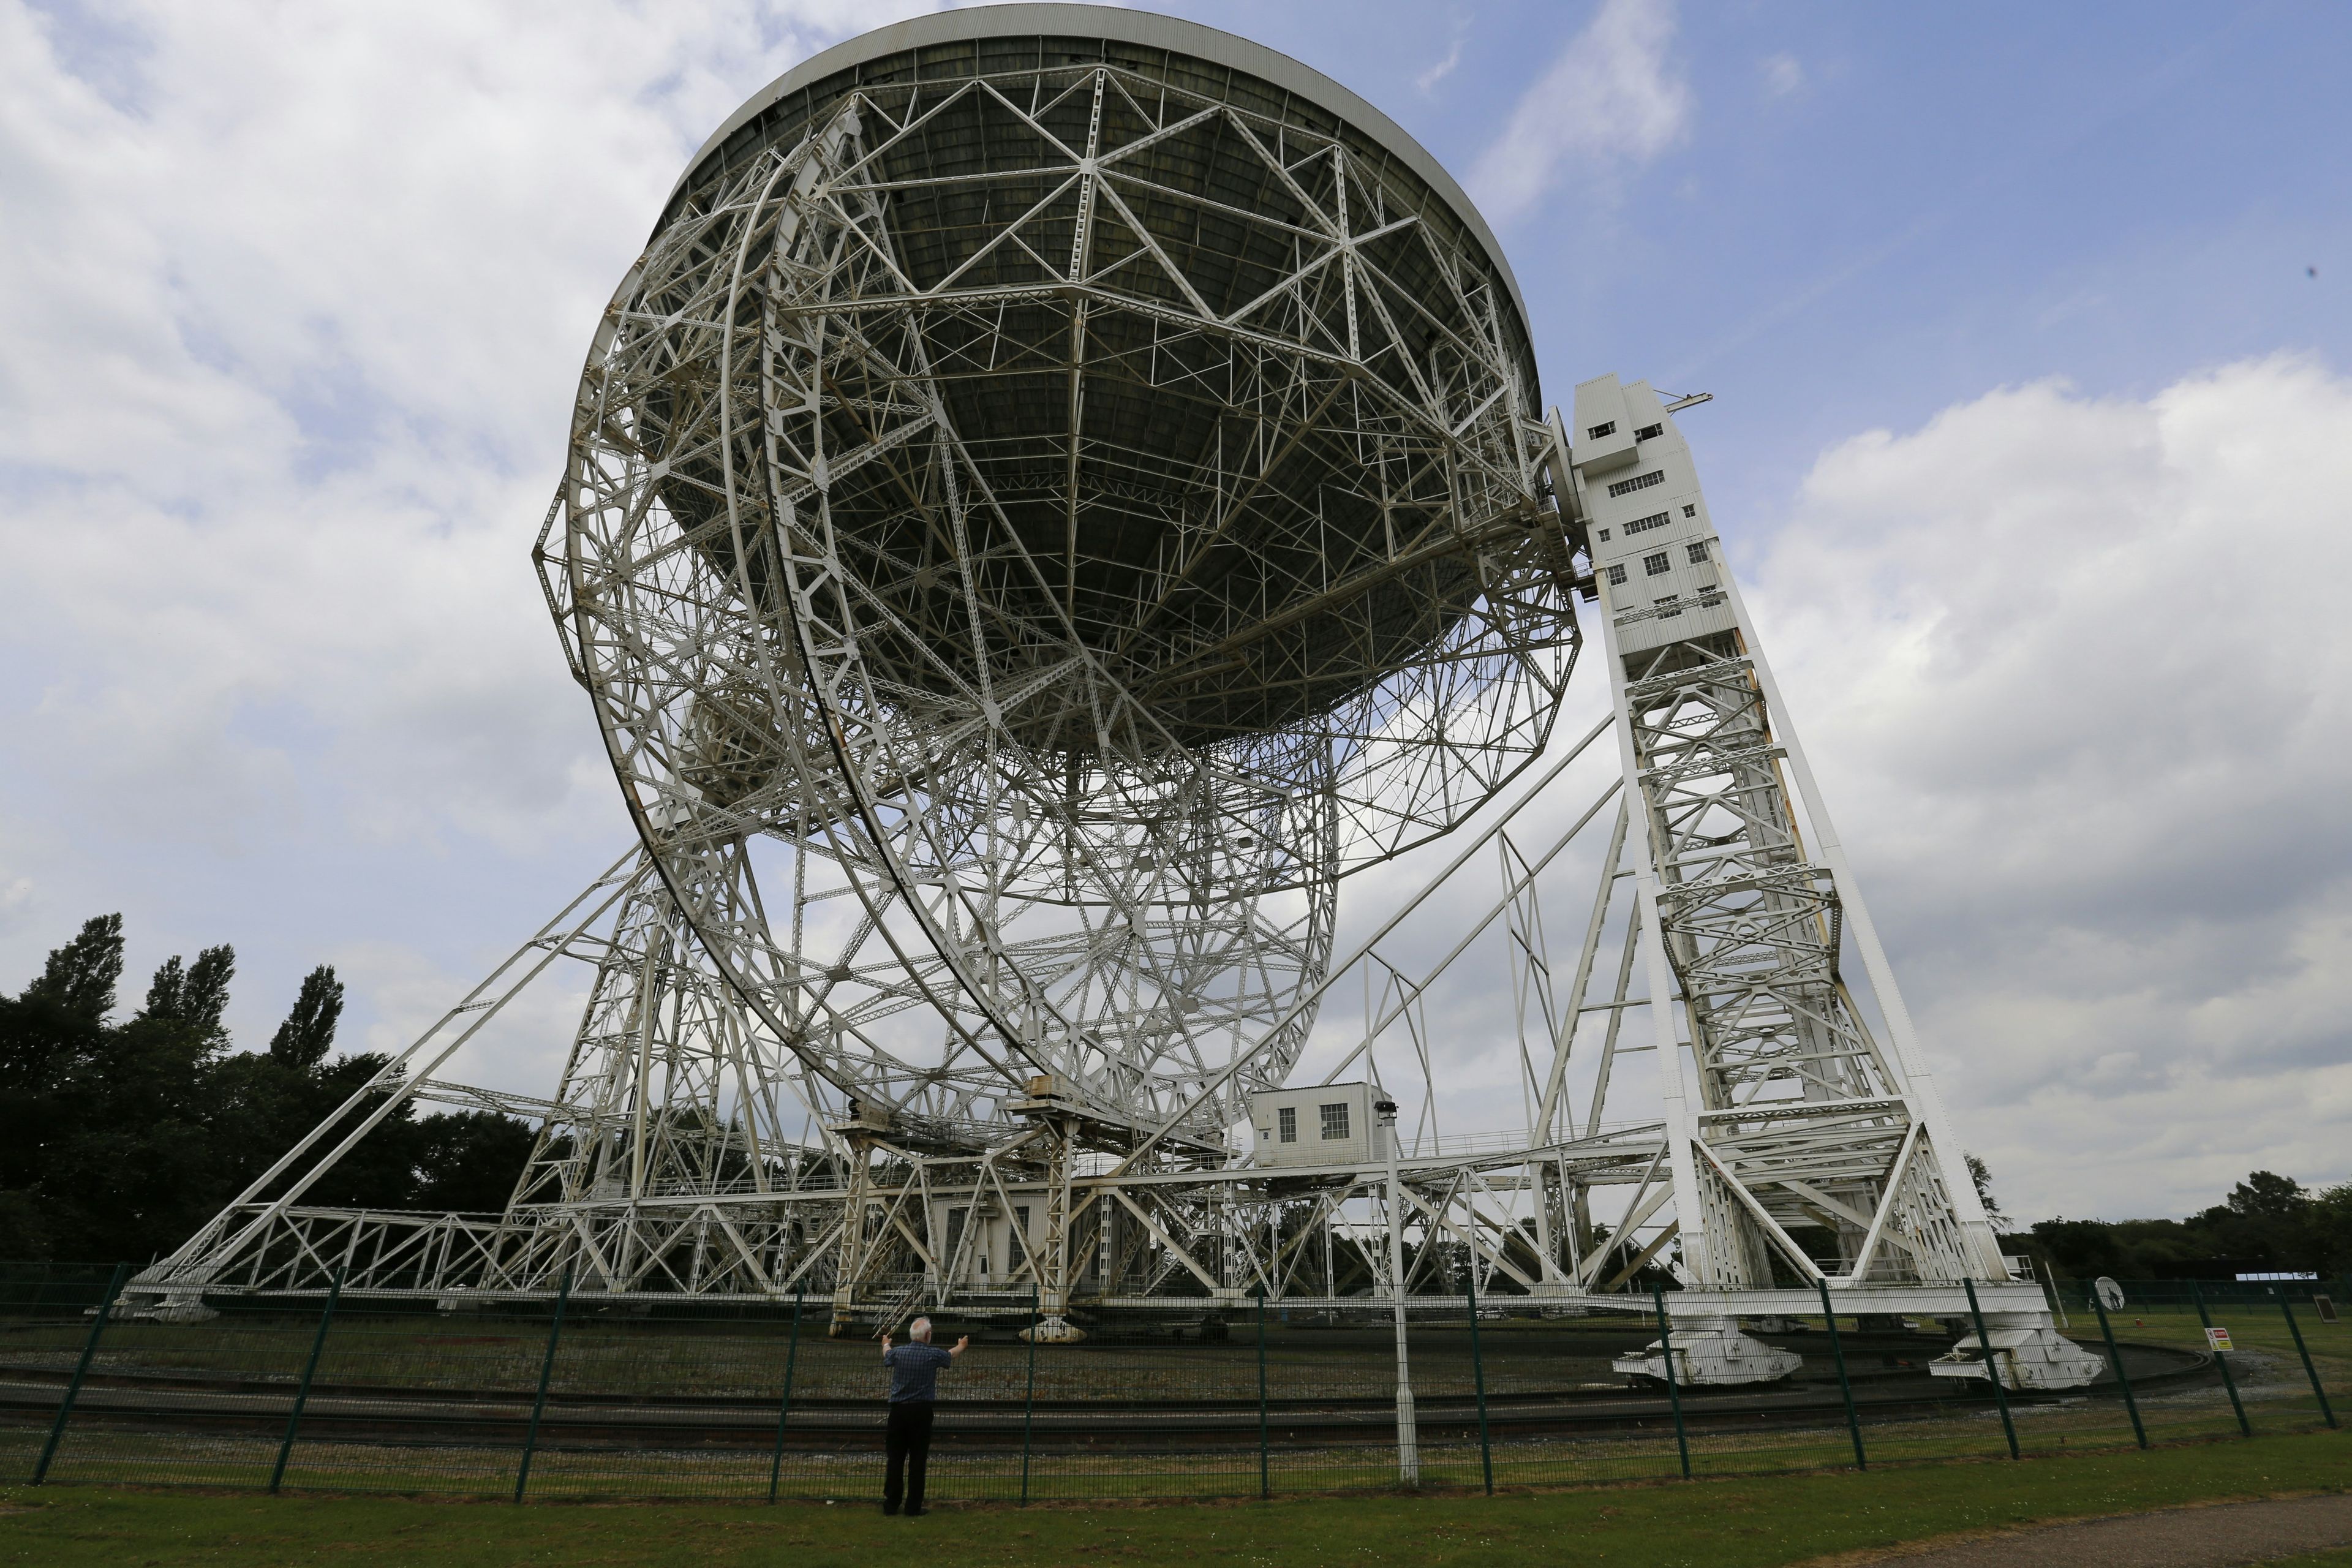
(1061, 491)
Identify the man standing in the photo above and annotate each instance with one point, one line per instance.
(914, 1395)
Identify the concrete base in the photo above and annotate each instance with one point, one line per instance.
(1053, 1332)
(179, 1307)
(2027, 1349)
(1711, 1352)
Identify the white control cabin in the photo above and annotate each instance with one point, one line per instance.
(1323, 1124)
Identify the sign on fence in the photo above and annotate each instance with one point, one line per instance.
(2326, 1307)
(2219, 1340)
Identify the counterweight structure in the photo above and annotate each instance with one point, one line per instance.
(1061, 499)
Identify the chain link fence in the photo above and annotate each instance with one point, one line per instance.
(572, 1396)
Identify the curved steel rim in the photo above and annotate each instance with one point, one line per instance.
(1146, 29)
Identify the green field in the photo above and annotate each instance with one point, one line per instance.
(1724, 1523)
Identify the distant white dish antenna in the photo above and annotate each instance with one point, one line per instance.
(2111, 1295)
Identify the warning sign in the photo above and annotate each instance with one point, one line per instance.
(2219, 1340)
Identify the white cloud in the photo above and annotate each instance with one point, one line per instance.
(1610, 101)
(16, 898)
(1440, 69)
(2076, 675)
(1782, 73)
(522, 1048)
(295, 299)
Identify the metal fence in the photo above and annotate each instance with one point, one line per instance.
(572, 1396)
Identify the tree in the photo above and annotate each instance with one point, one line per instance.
(118, 1141)
(195, 998)
(82, 976)
(468, 1160)
(2265, 1195)
(1981, 1174)
(306, 1037)
(2331, 1231)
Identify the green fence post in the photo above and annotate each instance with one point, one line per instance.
(2115, 1360)
(1992, 1373)
(784, 1410)
(1845, 1388)
(81, 1370)
(1478, 1372)
(1029, 1398)
(1673, 1384)
(2221, 1359)
(302, 1391)
(2326, 1410)
(1264, 1469)
(546, 1371)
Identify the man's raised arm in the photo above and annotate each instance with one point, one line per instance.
(957, 1349)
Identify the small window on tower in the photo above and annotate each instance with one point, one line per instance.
(1335, 1120)
(1697, 551)
(1598, 431)
(1616, 576)
(1690, 511)
(1647, 432)
(1286, 1120)
(1656, 564)
(1604, 536)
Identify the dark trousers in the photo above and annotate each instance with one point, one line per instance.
(908, 1441)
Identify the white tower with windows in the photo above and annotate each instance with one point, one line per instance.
(1789, 1104)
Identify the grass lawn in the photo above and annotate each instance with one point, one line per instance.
(1725, 1523)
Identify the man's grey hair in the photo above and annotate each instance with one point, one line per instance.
(920, 1328)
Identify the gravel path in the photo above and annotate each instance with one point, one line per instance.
(2218, 1537)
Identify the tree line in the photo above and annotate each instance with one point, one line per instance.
(2269, 1224)
(119, 1137)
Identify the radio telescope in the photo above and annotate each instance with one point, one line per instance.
(1034, 522)
(1061, 505)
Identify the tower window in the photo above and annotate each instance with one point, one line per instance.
(1656, 564)
(1604, 536)
(1287, 1124)
(1616, 576)
(1697, 551)
(1690, 511)
(1638, 482)
(1647, 432)
(1598, 431)
(1335, 1120)
(1644, 524)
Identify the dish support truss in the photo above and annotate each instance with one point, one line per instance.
(1790, 1140)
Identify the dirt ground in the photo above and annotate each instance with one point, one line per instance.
(2219, 1536)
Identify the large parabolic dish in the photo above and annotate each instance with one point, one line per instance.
(1058, 490)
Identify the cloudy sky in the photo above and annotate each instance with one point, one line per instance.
(2032, 435)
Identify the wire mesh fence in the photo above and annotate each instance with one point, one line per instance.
(571, 1395)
